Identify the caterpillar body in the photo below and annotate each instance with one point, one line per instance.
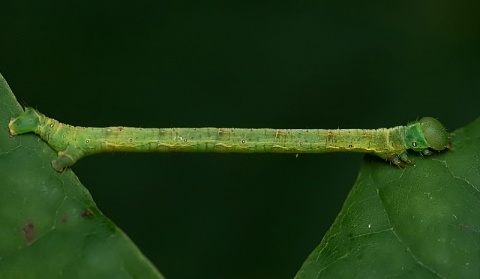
(73, 142)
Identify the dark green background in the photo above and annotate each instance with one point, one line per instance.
(278, 64)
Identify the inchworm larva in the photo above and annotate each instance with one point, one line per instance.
(73, 143)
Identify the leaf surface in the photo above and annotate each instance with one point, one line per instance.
(49, 225)
(417, 222)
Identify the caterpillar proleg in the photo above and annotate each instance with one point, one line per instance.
(72, 142)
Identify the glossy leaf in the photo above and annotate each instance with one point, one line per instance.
(417, 222)
(49, 225)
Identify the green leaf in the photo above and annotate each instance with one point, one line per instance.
(49, 225)
(417, 222)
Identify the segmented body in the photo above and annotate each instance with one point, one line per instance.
(73, 142)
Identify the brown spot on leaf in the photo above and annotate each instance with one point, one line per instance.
(64, 219)
(87, 214)
(28, 232)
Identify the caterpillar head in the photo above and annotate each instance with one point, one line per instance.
(435, 134)
(26, 122)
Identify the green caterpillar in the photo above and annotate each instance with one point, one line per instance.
(72, 142)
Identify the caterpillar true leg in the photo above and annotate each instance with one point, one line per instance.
(427, 152)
